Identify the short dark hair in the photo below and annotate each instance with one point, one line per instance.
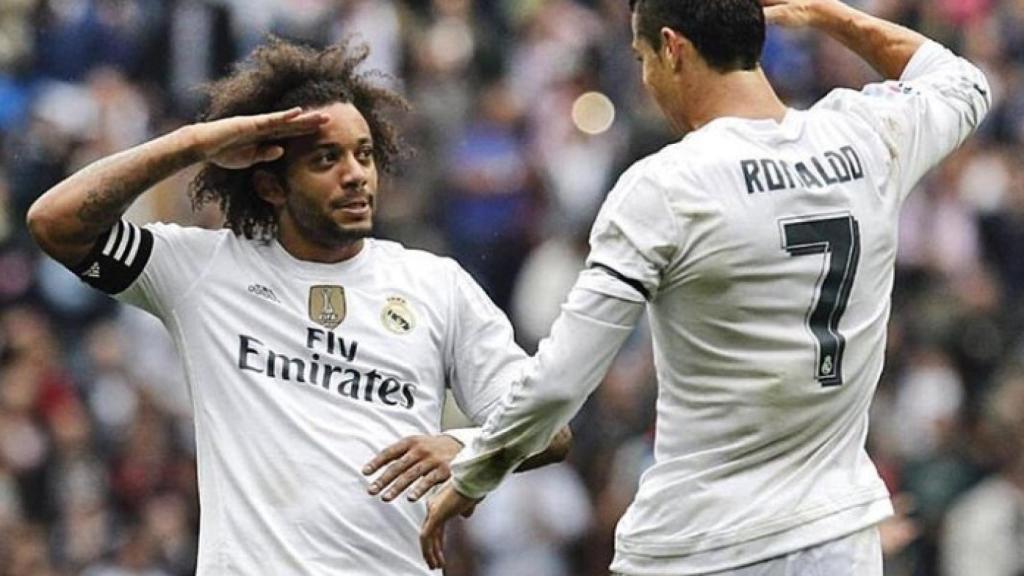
(729, 34)
(277, 76)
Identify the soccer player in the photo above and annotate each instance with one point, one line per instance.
(762, 245)
(308, 346)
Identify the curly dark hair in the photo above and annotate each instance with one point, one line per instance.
(277, 76)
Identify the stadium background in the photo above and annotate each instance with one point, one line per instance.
(97, 472)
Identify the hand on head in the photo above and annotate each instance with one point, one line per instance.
(791, 13)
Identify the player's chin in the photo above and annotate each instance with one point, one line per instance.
(353, 219)
(355, 230)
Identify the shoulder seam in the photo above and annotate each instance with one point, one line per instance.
(202, 275)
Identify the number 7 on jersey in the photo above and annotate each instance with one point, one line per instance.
(837, 238)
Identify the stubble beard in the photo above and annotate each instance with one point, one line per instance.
(319, 229)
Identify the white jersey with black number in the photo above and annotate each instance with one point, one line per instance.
(299, 374)
(765, 251)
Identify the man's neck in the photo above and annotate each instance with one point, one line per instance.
(743, 94)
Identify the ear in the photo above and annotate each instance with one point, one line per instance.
(677, 48)
(269, 188)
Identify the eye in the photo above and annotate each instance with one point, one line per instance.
(325, 158)
(365, 154)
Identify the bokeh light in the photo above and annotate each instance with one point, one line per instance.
(593, 113)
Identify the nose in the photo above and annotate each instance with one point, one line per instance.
(354, 173)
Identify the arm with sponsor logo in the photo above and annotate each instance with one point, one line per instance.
(68, 219)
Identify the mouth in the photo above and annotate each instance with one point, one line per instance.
(355, 207)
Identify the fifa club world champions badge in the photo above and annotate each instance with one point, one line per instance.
(327, 305)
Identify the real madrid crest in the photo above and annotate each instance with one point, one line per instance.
(327, 305)
(397, 316)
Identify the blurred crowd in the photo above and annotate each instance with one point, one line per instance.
(97, 468)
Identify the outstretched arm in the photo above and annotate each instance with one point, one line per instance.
(67, 220)
(570, 363)
(887, 47)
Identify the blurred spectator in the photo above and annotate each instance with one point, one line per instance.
(375, 22)
(928, 404)
(74, 36)
(548, 273)
(16, 37)
(167, 520)
(1002, 229)
(984, 530)
(529, 525)
(136, 556)
(490, 207)
(25, 552)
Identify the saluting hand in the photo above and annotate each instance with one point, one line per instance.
(241, 141)
(793, 13)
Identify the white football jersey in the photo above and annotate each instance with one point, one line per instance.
(768, 251)
(301, 372)
(765, 251)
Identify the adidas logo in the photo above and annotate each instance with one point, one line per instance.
(93, 271)
(263, 292)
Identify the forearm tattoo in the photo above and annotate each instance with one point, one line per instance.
(121, 179)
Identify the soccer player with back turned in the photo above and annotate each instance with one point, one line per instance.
(309, 346)
(762, 246)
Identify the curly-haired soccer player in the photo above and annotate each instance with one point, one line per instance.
(309, 346)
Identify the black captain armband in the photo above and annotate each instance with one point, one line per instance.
(632, 283)
(117, 259)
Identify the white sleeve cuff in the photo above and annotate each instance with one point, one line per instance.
(463, 436)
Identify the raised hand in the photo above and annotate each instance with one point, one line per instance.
(886, 46)
(420, 459)
(242, 141)
(792, 13)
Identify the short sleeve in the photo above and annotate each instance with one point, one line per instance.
(937, 103)
(153, 266)
(635, 236)
(484, 358)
